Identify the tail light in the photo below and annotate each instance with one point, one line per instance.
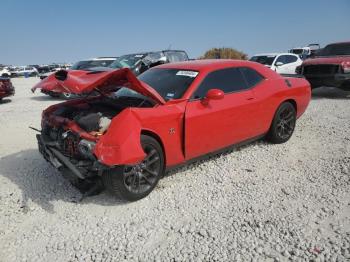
(346, 67)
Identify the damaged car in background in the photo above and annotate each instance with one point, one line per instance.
(329, 67)
(6, 87)
(137, 63)
(126, 138)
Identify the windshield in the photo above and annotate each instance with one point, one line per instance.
(169, 83)
(126, 61)
(335, 49)
(297, 51)
(91, 63)
(263, 59)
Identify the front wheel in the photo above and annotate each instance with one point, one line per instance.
(135, 182)
(283, 124)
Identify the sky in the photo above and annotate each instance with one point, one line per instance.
(41, 31)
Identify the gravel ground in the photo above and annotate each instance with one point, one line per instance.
(261, 202)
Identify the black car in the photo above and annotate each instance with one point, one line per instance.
(140, 62)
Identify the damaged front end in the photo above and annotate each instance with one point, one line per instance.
(82, 138)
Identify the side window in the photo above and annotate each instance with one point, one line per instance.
(251, 76)
(291, 59)
(228, 80)
(282, 59)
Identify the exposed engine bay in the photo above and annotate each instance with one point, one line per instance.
(92, 116)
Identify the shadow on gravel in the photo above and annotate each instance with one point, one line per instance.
(5, 101)
(330, 93)
(190, 165)
(46, 98)
(42, 184)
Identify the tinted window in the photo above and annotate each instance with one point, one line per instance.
(282, 59)
(291, 59)
(263, 59)
(228, 80)
(251, 76)
(169, 83)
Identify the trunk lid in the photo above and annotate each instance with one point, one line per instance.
(84, 82)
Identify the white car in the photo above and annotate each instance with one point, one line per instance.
(25, 71)
(5, 72)
(282, 63)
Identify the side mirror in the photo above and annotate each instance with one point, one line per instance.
(213, 94)
(279, 64)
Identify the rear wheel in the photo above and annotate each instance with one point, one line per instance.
(135, 182)
(283, 124)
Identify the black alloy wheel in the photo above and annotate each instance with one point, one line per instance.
(135, 182)
(283, 124)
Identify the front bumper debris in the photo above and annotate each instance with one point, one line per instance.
(55, 157)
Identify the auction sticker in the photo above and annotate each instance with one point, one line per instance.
(187, 73)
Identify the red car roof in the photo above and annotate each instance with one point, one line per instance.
(205, 64)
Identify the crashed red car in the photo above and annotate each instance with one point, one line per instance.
(137, 128)
(6, 87)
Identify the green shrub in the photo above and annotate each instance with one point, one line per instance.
(224, 53)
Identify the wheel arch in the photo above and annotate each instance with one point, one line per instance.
(156, 137)
(292, 101)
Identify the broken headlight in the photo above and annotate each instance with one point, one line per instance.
(86, 148)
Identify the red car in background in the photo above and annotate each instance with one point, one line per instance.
(329, 67)
(137, 128)
(6, 87)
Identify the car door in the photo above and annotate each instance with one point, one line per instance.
(215, 124)
(289, 64)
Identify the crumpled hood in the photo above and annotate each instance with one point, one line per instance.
(83, 82)
(337, 60)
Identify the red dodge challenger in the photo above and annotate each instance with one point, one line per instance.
(126, 132)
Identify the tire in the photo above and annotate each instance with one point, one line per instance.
(132, 183)
(283, 124)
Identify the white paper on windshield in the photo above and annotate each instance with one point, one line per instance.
(187, 73)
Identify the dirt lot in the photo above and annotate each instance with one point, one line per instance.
(261, 202)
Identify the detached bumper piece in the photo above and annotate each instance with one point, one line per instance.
(55, 157)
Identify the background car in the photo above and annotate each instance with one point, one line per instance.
(330, 67)
(140, 62)
(137, 63)
(168, 116)
(6, 87)
(94, 62)
(306, 51)
(282, 63)
(5, 72)
(25, 71)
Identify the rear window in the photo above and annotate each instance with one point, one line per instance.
(251, 76)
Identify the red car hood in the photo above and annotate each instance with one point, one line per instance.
(80, 82)
(327, 60)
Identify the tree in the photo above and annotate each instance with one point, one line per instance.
(224, 53)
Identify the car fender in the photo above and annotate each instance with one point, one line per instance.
(121, 144)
